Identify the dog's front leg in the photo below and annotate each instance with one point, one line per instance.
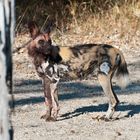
(51, 100)
(54, 96)
(48, 100)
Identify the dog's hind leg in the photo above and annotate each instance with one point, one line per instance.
(105, 81)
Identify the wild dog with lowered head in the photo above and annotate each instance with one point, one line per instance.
(85, 60)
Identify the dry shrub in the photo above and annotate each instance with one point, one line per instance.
(103, 20)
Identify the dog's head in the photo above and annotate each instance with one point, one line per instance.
(41, 43)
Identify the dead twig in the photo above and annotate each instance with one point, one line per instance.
(23, 15)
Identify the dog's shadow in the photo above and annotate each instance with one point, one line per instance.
(131, 110)
(76, 90)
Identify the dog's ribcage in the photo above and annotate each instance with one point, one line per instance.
(88, 60)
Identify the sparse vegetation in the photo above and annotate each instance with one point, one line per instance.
(102, 20)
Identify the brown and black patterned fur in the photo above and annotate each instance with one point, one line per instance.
(40, 49)
(84, 61)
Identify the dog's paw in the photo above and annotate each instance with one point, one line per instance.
(51, 119)
(43, 116)
(106, 118)
(48, 118)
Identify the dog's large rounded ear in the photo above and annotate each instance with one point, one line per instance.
(33, 29)
(47, 32)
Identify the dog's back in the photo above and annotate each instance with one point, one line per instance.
(87, 60)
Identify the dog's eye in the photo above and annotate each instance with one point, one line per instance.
(41, 42)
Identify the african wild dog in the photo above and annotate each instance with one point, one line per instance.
(81, 61)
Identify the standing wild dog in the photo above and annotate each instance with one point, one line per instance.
(80, 61)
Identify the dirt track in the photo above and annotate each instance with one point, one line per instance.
(80, 102)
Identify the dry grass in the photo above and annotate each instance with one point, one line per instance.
(84, 21)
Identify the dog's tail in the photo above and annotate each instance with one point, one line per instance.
(122, 73)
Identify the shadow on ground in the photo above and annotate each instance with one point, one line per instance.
(132, 110)
(75, 90)
(68, 91)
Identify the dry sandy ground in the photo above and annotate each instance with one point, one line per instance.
(80, 102)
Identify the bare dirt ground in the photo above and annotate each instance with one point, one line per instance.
(80, 102)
